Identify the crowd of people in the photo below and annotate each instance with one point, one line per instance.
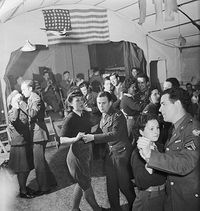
(149, 140)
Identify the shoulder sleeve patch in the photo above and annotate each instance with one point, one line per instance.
(196, 132)
(190, 145)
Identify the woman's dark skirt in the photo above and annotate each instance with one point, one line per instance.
(21, 159)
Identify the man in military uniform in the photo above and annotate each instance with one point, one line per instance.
(181, 157)
(35, 110)
(114, 133)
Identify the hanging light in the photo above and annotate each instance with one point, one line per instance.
(181, 40)
(28, 47)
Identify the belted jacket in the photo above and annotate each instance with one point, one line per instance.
(114, 131)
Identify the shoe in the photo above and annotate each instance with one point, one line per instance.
(104, 209)
(26, 196)
(30, 191)
(40, 192)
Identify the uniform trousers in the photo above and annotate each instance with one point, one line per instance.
(44, 176)
(149, 201)
(118, 176)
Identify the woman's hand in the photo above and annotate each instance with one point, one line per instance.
(79, 136)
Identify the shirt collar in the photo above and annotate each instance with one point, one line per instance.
(78, 113)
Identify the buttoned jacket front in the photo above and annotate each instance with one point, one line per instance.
(35, 110)
(114, 131)
(181, 162)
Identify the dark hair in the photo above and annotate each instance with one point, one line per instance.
(179, 94)
(174, 81)
(188, 84)
(45, 71)
(153, 88)
(114, 74)
(80, 76)
(84, 84)
(105, 94)
(107, 78)
(143, 75)
(143, 119)
(74, 93)
(127, 84)
(66, 72)
(136, 68)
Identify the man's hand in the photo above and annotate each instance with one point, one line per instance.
(86, 108)
(79, 136)
(144, 146)
(88, 138)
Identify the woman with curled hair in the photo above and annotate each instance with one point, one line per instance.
(75, 125)
(21, 157)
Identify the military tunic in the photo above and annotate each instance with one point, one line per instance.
(181, 162)
(117, 161)
(35, 110)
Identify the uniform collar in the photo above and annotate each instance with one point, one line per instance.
(182, 119)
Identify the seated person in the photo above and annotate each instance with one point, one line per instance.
(50, 92)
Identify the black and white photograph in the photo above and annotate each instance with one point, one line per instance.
(99, 105)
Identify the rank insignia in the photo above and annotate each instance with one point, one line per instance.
(190, 146)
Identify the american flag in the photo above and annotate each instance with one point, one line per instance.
(87, 26)
(57, 20)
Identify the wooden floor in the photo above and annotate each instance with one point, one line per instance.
(60, 199)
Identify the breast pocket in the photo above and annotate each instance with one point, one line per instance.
(177, 145)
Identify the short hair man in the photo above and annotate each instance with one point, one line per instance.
(114, 133)
(35, 109)
(115, 80)
(182, 151)
(66, 84)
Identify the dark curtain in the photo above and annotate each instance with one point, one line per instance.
(117, 54)
(133, 57)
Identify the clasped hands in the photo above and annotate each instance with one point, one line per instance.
(144, 146)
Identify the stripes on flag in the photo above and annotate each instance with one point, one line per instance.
(87, 25)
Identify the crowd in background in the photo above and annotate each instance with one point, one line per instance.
(148, 138)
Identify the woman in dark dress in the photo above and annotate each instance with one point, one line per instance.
(75, 125)
(21, 157)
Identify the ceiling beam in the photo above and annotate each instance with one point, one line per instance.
(174, 26)
(191, 35)
(191, 46)
(179, 5)
(99, 2)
